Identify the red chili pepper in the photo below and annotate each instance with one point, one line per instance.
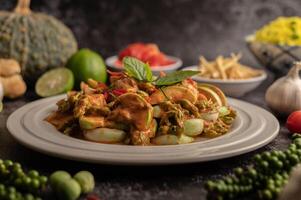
(189, 80)
(162, 74)
(92, 197)
(102, 86)
(148, 99)
(118, 92)
(206, 123)
(106, 95)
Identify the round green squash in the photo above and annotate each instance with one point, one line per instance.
(38, 41)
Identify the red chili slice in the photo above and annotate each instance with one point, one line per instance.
(106, 95)
(102, 86)
(118, 92)
(92, 197)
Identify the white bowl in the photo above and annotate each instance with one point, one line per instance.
(234, 88)
(110, 62)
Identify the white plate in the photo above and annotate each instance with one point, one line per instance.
(110, 62)
(234, 88)
(253, 128)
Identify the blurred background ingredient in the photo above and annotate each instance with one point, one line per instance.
(293, 122)
(277, 44)
(87, 64)
(146, 52)
(281, 31)
(226, 68)
(11, 79)
(54, 82)
(36, 40)
(284, 95)
(67, 187)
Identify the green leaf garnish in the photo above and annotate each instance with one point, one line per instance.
(137, 69)
(142, 72)
(175, 77)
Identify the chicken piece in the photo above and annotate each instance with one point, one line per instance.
(88, 102)
(190, 83)
(67, 105)
(63, 105)
(147, 87)
(131, 108)
(126, 83)
(190, 107)
(60, 120)
(86, 89)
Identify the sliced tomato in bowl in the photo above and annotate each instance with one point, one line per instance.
(148, 53)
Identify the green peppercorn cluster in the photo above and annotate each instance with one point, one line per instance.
(265, 177)
(11, 193)
(15, 184)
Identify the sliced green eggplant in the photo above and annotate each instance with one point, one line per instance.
(105, 135)
(193, 127)
(157, 111)
(165, 140)
(88, 123)
(224, 110)
(209, 116)
(184, 139)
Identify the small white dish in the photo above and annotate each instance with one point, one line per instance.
(111, 64)
(233, 88)
(253, 128)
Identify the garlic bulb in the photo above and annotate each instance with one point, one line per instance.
(284, 95)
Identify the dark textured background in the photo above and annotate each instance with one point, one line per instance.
(185, 28)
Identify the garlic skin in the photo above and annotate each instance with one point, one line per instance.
(284, 95)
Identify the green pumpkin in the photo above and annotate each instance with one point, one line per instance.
(38, 41)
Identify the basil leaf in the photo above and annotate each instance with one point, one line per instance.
(175, 77)
(137, 69)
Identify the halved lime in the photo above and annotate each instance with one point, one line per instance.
(55, 81)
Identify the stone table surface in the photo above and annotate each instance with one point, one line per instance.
(131, 183)
(184, 28)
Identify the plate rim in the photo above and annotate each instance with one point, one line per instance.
(233, 152)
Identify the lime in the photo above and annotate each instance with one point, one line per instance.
(55, 81)
(87, 64)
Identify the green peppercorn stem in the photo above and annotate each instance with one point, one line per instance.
(265, 177)
(11, 193)
(12, 174)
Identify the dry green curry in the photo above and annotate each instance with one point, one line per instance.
(140, 109)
